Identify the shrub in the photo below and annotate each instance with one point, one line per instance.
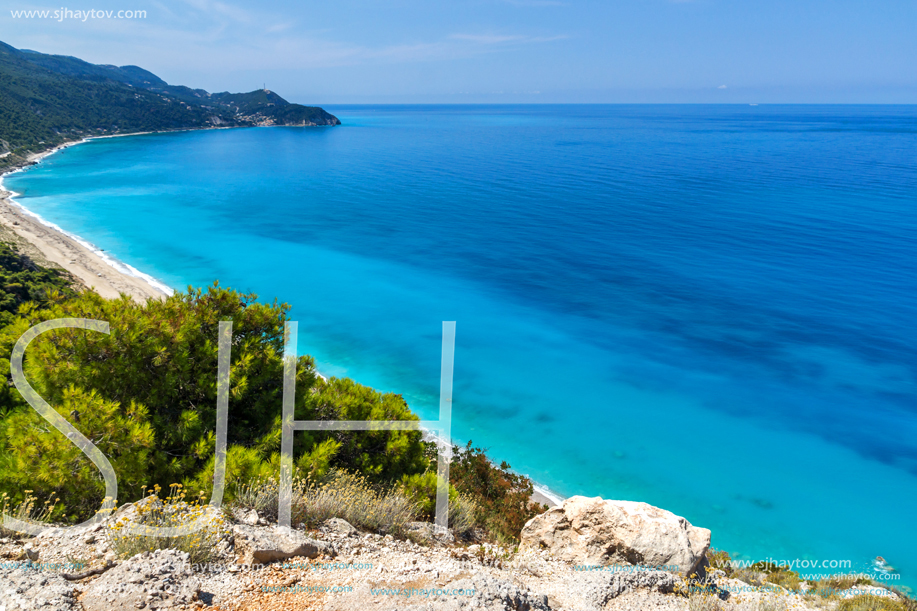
(352, 498)
(463, 514)
(21, 281)
(41, 457)
(202, 545)
(463, 510)
(782, 576)
(718, 559)
(503, 498)
(771, 603)
(263, 495)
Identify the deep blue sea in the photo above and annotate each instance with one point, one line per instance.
(712, 309)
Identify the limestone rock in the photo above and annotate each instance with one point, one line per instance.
(243, 516)
(339, 526)
(428, 531)
(258, 545)
(593, 531)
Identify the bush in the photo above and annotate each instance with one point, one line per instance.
(503, 498)
(202, 545)
(45, 460)
(463, 513)
(463, 510)
(771, 603)
(703, 600)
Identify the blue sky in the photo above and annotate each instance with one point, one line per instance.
(377, 51)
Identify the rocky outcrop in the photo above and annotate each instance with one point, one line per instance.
(255, 545)
(153, 580)
(27, 589)
(594, 590)
(368, 571)
(593, 531)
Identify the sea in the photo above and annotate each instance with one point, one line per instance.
(712, 309)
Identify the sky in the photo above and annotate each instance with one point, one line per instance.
(500, 51)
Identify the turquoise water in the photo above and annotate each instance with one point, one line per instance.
(710, 309)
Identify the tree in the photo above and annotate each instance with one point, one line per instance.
(160, 360)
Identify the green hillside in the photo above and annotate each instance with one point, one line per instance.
(46, 100)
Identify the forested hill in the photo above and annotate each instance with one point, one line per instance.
(50, 99)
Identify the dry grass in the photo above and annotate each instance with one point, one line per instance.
(263, 495)
(342, 495)
(771, 603)
(704, 600)
(463, 513)
(174, 511)
(872, 602)
(28, 510)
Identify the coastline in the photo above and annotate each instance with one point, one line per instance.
(96, 270)
(87, 264)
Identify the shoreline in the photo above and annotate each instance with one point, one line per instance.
(107, 275)
(85, 262)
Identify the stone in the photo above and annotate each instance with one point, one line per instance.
(428, 531)
(491, 594)
(257, 545)
(246, 516)
(152, 580)
(29, 553)
(339, 527)
(593, 531)
(486, 594)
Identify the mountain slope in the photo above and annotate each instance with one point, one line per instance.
(46, 100)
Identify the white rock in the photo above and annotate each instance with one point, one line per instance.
(601, 532)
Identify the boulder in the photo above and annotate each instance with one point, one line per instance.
(260, 545)
(152, 580)
(593, 531)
